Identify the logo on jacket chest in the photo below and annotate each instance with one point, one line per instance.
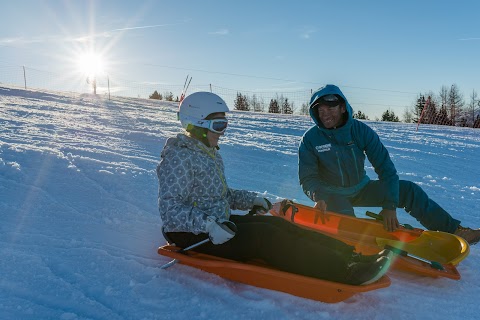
(323, 147)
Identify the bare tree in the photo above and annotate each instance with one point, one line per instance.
(407, 115)
(304, 109)
(443, 97)
(470, 110)
(254, 103)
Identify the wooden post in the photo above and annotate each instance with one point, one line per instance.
(24, 78)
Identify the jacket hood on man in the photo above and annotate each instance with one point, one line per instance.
(323, 91)
(332, 161)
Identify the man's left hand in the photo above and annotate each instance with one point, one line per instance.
(390, 221)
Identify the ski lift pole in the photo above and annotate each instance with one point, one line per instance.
(185, 88)
(174, 261)
(426, 105)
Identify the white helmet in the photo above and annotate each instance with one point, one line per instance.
(197, 106)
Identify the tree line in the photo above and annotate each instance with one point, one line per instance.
(279, 104)
(447, 107)
(167, 96)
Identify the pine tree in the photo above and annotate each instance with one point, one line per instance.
(443, 118)
(360, 115)
(389, 116)
(430, 113)
(156, 95)
(273, 107)
(286, 107)
(455, 103)
(419, 105)
(241, 102)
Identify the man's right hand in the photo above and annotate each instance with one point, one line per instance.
(322, 206)
(390, 221)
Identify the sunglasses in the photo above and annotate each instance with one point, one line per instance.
(330, 98)
(216, 125)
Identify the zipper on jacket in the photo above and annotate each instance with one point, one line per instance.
(220, 173)
(356, 166)
(222, 177)
(340, 169)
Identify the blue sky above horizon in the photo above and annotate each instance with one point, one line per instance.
(380, 53)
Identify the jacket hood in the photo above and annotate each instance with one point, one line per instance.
(183, 141)
(180, 140)
(323, 91)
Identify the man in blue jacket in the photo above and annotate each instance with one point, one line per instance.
(332, 170)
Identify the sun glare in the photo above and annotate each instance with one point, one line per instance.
(90, 64)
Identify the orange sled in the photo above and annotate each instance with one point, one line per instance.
(429, 253)
(263, 276)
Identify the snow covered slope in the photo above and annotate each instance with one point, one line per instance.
(79, 225)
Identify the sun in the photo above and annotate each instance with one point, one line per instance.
(90, 64)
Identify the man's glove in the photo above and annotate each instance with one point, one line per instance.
(220, 231)
(261, 205)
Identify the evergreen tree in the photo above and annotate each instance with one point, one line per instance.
(419, 105)
(286, 107)
(156, 95)
(443, 118)
(389, 116)
(430, 113)
(241, 102)
(273, 107)
(360, 115)
(455, 104)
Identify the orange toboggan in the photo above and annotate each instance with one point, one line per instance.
(260, 275)
(428, 253)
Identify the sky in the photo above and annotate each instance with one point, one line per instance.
(80, 226)
(382, 54)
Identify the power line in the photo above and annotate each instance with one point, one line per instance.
(270, 78)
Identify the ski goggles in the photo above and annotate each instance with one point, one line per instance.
(330, 100)
(215, 125)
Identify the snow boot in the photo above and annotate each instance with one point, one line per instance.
(363, 273)
(470, 235)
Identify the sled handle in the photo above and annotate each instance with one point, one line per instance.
(400, 252)
(174, 261)
(378, 217)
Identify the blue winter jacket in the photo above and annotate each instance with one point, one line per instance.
(331, 162)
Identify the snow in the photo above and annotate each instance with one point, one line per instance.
(80, 227)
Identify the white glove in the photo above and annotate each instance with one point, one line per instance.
(262, 202)
(220, 231)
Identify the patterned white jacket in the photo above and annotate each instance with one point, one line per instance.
(192, 186)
